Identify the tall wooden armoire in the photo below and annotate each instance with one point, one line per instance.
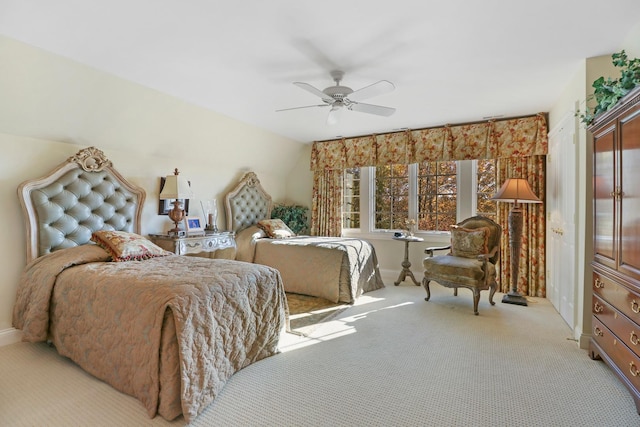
(616, 241)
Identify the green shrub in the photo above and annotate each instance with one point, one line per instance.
(295, 216)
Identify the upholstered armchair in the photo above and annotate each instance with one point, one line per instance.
(471, 261)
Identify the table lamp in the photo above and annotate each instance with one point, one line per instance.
(516, 191)
(176, 188)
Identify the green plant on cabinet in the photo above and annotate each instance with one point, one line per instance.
(607, 92)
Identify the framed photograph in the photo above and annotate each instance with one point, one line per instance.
(193, 225)
(166, 205)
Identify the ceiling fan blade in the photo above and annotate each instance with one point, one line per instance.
(315, 91)
(372, 109)
(378, 88)
(306, 106)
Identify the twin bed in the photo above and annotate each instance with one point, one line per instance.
(167, 329)
(336, 269)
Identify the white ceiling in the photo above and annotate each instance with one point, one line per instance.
(451, 61)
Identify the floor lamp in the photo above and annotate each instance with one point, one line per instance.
(516, 191)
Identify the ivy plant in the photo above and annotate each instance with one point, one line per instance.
(295, 216)
(607, 92)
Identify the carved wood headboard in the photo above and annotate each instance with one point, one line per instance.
(247, 203)
(82, 195)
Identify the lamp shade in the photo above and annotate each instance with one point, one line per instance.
(516, 190)
(176, 187)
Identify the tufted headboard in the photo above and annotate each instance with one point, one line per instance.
(82, 195)
(247, 203)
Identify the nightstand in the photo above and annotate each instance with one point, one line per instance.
(214, 245)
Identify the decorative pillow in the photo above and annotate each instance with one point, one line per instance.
(123, 246)
(275, 228)
(469, 242)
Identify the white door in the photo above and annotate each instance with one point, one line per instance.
(561, 210)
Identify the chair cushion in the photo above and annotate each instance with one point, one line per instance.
(465, 271)
(469, 242)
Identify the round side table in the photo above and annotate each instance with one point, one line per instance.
(406, 264)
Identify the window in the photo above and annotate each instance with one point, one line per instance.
(486, 188)
(391, 196)
(351, 201)
(435, 194)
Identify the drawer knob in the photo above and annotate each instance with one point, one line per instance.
(597, 308)
(598, 283)
(633, 338)
(598, 331)
(633, 369)
(635, 307)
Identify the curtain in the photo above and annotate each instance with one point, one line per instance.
(531, 273)
(520, 137)
(519, 144)
(326, 206)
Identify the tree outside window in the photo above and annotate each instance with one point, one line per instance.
(486, 188)
(391, 196)
(437, 195)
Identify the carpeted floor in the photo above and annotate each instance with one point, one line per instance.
(391, 359)
(306, 313)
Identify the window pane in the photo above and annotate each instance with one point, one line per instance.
(391, 196)
(486, 178)
(351, 198)
(437, 195)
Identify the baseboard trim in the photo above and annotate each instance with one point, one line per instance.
(10, 336)
(583, 341)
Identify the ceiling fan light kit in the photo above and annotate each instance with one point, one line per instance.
(338, 97)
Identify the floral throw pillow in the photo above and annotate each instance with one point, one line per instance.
(275, 229)
(124, 246)
(469, 242)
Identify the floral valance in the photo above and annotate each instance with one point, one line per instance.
(519, 137)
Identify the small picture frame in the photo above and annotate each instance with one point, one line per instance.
(193, 225)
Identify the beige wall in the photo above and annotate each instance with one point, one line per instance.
(631, 44)
(51, 107)
(571, 99)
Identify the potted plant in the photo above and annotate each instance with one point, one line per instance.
(607, 92)
(295, 216)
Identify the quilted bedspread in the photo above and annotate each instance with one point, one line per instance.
(333, 268)
(110, 318)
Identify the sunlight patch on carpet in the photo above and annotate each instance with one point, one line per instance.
(307, 312)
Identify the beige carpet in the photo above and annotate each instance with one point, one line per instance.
(306, 313)
(392, 359)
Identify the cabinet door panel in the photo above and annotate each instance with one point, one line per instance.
(629, 199)
(604, 166)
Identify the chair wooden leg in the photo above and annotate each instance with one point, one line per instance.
(492, 291)
(425, 284)
(476, 300)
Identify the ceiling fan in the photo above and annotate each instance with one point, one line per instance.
(340, 97)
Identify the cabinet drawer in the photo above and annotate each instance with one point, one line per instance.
(627, 363)
(623, 299)
(627, 331)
